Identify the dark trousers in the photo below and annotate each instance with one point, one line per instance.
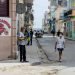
(31, 40)
(22, 53)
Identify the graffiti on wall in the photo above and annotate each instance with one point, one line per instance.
(5, 26)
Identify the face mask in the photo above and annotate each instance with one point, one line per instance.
(60, 35)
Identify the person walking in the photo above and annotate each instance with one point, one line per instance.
(53, 32)
(31, 36)
(22, 45)
(60, 45)
(58, 33)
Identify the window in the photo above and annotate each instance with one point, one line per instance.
(60, 2)
(4, 8)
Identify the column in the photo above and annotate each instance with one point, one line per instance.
(12, 12)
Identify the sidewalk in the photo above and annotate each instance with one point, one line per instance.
(14, 67)
(31, 54)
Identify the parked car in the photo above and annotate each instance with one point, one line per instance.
(39, 33)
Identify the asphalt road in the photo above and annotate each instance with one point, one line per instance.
(43, 52)
(48, 42)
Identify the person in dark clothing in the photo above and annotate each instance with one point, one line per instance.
(28, 38)
(22, 53)
(53, 32)
(31, 36)
(26, 32)
(58, 33)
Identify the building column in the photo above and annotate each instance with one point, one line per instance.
(12, 14)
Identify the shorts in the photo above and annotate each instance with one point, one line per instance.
(60, 49)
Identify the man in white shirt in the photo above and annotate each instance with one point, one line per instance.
(22, 45)
(60, 45)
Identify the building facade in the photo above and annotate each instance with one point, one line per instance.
(10, 23)
(69, 24)
(26, 17)
(67, 20)
(7, 43)
(45, 22)
(59, 18)
(58, 11)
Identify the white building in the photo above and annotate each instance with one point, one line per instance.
(45, 22)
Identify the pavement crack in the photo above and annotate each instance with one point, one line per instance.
(44, 56)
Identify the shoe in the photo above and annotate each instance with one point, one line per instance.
(60, 60)
(20, 61)
(25, 61)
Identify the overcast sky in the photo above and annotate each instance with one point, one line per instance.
(40, 6)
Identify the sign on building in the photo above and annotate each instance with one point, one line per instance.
(5, 26)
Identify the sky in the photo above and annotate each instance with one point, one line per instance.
(39, 7)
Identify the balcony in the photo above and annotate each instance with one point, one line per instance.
(28, 1)
(29, 4)
(31, 17)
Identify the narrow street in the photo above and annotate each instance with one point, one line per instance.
(26, 44)
(48, 44)
(42, 59)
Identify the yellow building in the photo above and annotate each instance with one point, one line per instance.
(59, 23)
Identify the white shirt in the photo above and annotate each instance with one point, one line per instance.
(21, 34)
(60, 42)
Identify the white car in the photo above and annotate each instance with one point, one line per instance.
(39, 33)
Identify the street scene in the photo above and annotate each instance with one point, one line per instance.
(37, 37)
